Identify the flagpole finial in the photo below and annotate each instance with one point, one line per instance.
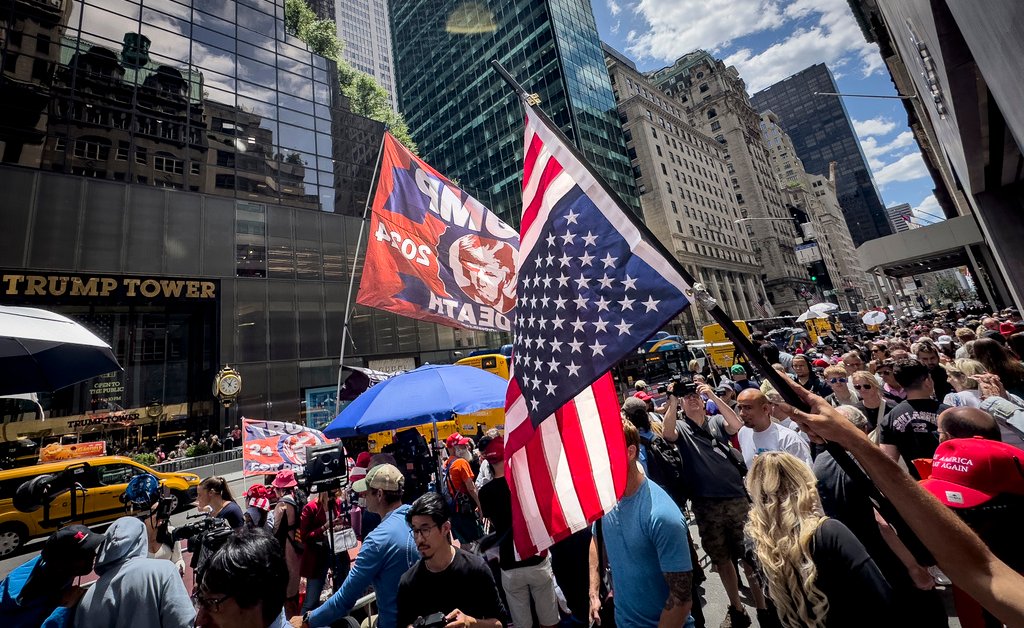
(700, 292)
(532, 99)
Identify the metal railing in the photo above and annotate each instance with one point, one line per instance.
(182, 464)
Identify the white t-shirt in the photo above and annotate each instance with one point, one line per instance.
(775, 438)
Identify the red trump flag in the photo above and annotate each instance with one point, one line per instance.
(434, 252)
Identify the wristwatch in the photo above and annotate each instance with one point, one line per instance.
(305, 619)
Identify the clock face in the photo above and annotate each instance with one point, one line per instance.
(230, 385)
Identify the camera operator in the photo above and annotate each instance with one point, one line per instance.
(133, 590)
(214, 492)
(244, 585)
(145, 500)
(317, 559)
(40, 592)
(447, 586)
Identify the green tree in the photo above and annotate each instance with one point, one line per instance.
(367, 97)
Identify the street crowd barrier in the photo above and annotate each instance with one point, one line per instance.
(182, 464)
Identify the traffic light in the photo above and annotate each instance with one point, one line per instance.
(814, 278)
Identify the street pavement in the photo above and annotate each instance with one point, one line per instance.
(714, 598)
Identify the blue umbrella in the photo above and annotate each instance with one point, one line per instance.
(428, 394)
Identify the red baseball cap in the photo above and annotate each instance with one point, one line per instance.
(1007, 329)
(453, 440)
(968, 472)
(494, 451)
(821, 363)
(642, 396)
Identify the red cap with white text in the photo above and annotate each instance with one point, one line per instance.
(968, 472)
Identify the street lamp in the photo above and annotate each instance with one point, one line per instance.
(896, 97)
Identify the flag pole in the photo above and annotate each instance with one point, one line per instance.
(700, 294)
(352, 275)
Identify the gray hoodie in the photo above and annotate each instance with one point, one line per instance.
(133, 590)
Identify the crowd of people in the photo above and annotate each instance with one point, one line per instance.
(931, 412)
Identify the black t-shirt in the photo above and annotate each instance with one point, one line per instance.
(847, 502)
(857, 592)
(232, 513)
(872, 413)
(913, 427)
(496, 504)
(467, 585)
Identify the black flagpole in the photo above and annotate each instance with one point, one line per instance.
(699, 293)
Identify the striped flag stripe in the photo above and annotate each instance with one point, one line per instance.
(571, 469)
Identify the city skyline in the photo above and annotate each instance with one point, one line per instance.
(784, 40)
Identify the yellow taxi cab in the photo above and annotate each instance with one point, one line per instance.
(102, 479)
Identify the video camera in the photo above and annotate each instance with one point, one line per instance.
(325, 468)
(681, 386)
(204, 538)
(434, 620)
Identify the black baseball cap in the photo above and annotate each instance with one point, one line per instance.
(70, 543)
(62, 549)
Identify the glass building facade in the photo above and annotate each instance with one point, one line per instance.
(184, 179)
(468, 123)
(821, 130)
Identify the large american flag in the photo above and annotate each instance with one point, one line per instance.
(592, 287)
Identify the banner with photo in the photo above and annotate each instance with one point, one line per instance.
(435, 253)
(270, 446)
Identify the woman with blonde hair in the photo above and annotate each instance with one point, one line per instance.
(967, 392)
(873, 402)
(817, 573)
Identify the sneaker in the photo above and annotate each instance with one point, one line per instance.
(736, 619)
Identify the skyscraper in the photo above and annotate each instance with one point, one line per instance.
(465, 119)
(715, 100)
(900, 217)
(363, 26)
(825, 236)
(686, 196)
(822, 132)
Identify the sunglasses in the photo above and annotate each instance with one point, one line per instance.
(861, 386)
(837, 380)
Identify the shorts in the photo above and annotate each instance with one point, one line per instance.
(720, 523)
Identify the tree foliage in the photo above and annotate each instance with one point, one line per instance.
(367, 97)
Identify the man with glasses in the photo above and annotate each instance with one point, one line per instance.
(446, 579)
(244, 584)
(387, 553)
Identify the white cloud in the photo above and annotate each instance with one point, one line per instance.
(823, 31)
(680, 26)
(875, 151)
(614, 8)
(928, 210)
(874, 126)
(906, 168)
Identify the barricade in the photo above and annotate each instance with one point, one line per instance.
(183, 464)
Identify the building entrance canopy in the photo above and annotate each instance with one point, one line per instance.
(934, 247)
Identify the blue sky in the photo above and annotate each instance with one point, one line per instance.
(768, 40)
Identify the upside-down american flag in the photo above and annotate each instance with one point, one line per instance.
(592, 287)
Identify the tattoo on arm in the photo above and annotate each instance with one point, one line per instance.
(680, 588)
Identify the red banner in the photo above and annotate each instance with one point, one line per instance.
(435, 253)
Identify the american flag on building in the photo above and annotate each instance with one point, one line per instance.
(592, 287)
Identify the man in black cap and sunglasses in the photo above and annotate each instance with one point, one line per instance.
(40, 592)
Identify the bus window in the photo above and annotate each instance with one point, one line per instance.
(492, 363)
